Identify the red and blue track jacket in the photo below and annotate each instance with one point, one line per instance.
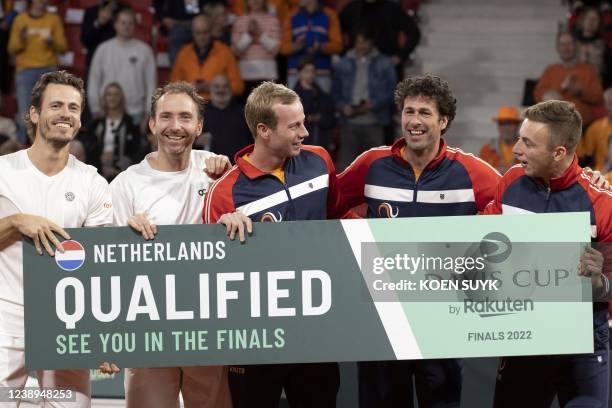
(310, 191)
(453, 183)
(518, 193)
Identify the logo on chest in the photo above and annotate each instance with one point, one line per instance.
(271, 217)
(69, 196)
(385, 210)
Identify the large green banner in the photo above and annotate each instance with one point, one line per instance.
(311, 291)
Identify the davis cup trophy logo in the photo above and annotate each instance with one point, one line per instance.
(73, 256)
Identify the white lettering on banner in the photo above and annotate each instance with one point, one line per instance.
(159, 252)
(79, 301)
(281, 300)
(274, 293)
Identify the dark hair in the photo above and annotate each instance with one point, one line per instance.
(126, 10)
(562, 33)
(563, 121)
(431, 87)
(305, 61)
(103, 97)
(179, 87)
(57, 78)
(365, 32)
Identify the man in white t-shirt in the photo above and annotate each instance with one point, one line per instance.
(43, 189)
(168, 187)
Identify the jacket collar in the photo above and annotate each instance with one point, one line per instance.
(569, 176)
(247, 168)
(396, 151)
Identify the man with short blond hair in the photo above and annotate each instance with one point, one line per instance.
(278, 165)
(548, 179)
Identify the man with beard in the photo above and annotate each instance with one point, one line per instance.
(418, 176)
(168, 187)
(43, 189)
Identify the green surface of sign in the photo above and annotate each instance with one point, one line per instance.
(311, 291)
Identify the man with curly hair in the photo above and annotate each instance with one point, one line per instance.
(418, 176)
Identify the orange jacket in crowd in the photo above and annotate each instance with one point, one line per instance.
(220, 60)
(500, 158)
(594, 143)
(584, 75)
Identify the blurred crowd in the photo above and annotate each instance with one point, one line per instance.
(337, 55)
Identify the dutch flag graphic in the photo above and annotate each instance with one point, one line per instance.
(73, 256)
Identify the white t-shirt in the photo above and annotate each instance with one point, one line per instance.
(75, 197)
(170, 197)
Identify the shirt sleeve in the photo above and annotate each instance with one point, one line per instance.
(100, 209)
(218, 200)
(494, 205)
(123, 203)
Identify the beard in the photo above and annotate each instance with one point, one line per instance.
(57, 142)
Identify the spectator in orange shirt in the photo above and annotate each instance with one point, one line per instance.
(570, 80)
(593, 147)
(203, 59)
(498, 153)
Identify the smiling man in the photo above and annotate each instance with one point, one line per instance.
(43, 189)
(548, 179)
(278, 179)
(416, 177)
(168, 187)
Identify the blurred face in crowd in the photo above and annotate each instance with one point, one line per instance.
(113, 98)
(533, 149)
(310, 5)
(39, 4)
(218, 16)
(201, 31)
(590, 23)
(176, 124)
(422, 124)
(286, 140)
(363, 46)
(125, 25)
(307, 75)
(59, 118)
(507, 131)
(256, 5)
(220, 92)
(566, 47)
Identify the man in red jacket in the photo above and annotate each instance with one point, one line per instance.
(548, 179)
